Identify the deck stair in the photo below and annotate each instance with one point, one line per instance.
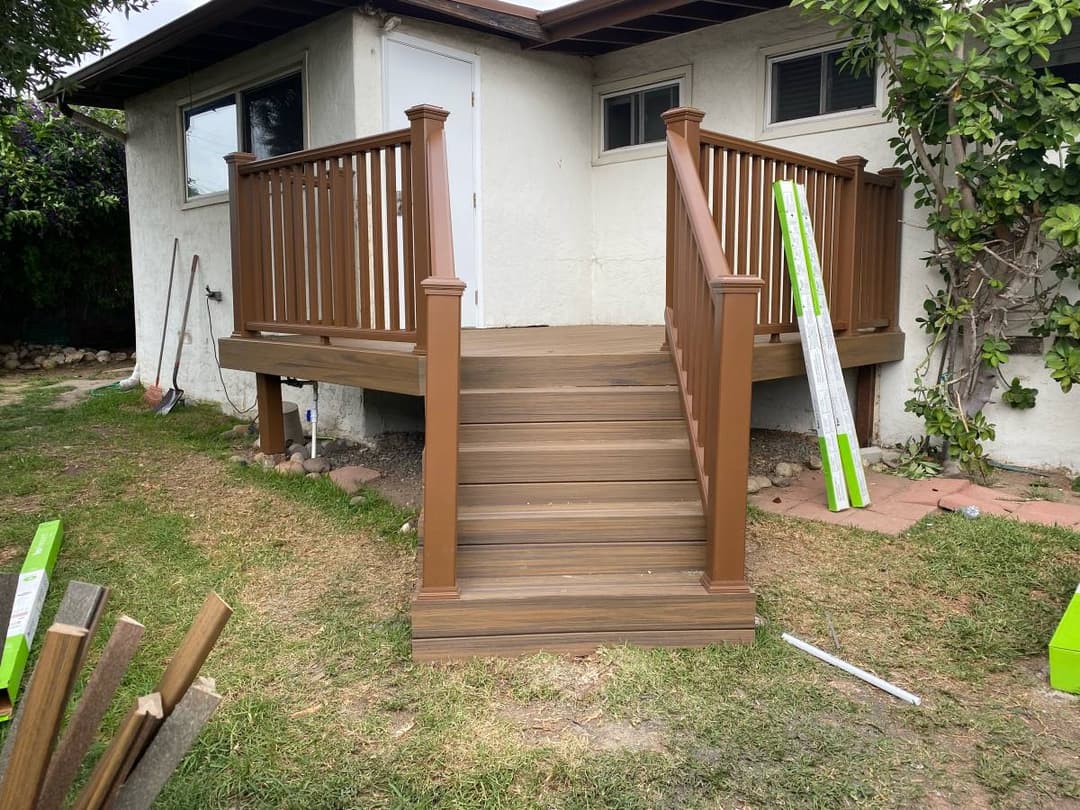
(579, 514)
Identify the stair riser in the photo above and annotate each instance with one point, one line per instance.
(598, 558)
(602, 529)
(552, 371)
(581, 613)
(616, 402)
(456, 649)
(480, 466)
(577, 492)
(525, 433)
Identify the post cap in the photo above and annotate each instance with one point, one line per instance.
(677, 114)
(427, 111)
(239, 157)
(433, 285)
(853, 160)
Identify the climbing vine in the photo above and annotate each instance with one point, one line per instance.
(987, 137)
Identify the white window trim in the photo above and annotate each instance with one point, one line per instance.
(677, 75)
(235, 88)
(848, 119)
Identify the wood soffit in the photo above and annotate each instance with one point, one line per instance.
(220, 29)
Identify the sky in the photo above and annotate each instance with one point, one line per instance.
(124, 30)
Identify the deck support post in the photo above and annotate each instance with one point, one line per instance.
(442, 300)
(241, 240)
(271, 421)
(865, 403)
(844, 303)
(424, 121)
(727, 457)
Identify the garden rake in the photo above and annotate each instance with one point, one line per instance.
(176, 393)
(152, 397)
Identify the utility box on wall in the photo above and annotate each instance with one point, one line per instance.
(1065, 649)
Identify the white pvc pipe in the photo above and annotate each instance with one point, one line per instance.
(132, 381)
(314, 416)
(862, 674)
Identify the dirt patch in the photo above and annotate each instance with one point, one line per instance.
(769, 447)
(396, 455)
(558, 726)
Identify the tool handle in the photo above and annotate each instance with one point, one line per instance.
(168, 302)
(183, 321)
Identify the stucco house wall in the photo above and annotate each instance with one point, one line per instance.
(568, 236)
(727, 80)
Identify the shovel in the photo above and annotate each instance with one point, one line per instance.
(153, 393)
(176, 394)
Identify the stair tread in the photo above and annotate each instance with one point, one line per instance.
(612, 443)
(622, 585)
(571, 510)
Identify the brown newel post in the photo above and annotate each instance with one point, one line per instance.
(242, 241)
(424, 120)
(442, 300)
(727, 457)
(843, 305)
(684, 121)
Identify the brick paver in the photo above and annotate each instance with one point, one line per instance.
(897, 503)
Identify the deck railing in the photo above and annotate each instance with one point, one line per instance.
(727, 281)
(856, 218)
(325, 241)
(710, 314)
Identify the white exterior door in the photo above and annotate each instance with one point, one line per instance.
(417, 72)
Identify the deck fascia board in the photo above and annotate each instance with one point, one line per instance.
(396, 368)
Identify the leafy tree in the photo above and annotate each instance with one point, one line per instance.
(39, 37)
(65, 260)
(987, 135)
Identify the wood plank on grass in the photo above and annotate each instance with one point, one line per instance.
(136, 729)
(169, 747)
(82, 606)
(83, 726)
(46, 698)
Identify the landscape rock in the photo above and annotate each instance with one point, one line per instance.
(353, 477)
(102, 356)
(6, 349)
(297, 457)
(786, 469)
(870, 455)
(316, 465)
(314, 475)
(48, 363)
(406, 527)
(11, 365)
(814, 462)
(778, 481)
(290, 468)
(241, 460)
(756, 483)
(295, 448)
(890, 456)
(239, 430)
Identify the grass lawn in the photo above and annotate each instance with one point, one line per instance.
(324, 708)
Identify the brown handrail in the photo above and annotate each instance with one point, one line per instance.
(709, 317)
(442, 292)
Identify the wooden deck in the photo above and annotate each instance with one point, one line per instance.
(582, 484)
(387, 366)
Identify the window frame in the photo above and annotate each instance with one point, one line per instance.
(822, 52)
(679, 76)
(829, 122)
(236, 89)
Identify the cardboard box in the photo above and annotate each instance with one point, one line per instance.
(1065, 649)
(25, 612)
